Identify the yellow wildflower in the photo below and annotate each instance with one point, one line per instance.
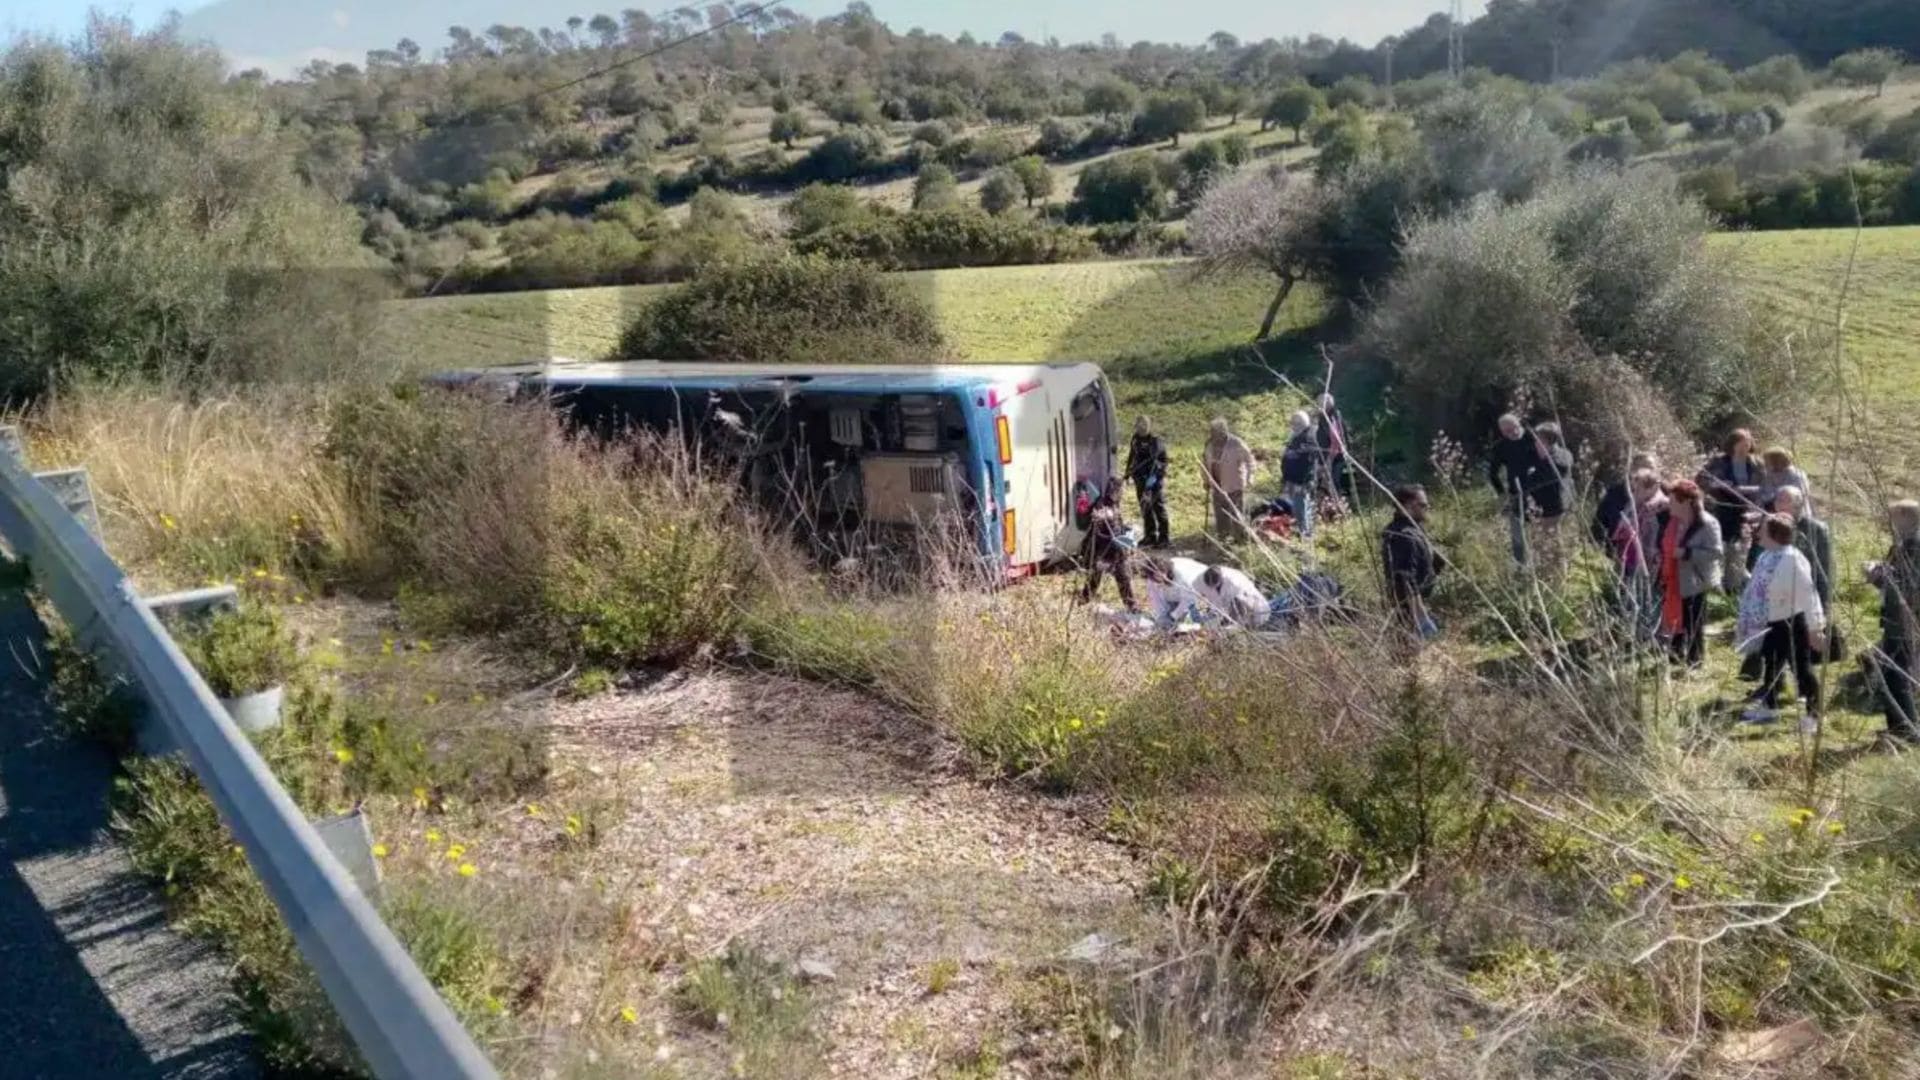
(420, 798)
(468, 869)
(342, 755)
(533, 809)
(423, 646)
(1636, 880)
(430, 698)
(336, 643)
(479, 699)
(573, 825)
(259, 573)
(495, 1005)
(167, 522)
(454, 851)
(1683, 883)
(1619, 892)
(298, 599)
(1835, 828)
(1758, 838)
(433, 836)
(628, 1015)
(381, 851)
(1468, 1033)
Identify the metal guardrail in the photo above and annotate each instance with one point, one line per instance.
(401, 1025)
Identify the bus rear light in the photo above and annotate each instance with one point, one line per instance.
(1007, 533)
(1004, 435)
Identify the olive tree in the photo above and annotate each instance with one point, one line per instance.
(1867, 68)
(1260, 219)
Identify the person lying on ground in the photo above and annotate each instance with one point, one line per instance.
(1233, 597)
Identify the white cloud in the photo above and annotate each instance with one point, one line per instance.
(341, 18)
(286, 66)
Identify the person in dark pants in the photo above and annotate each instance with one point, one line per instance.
(1687, 562)
(1617, 501)
(1514, 468)
(1732, 485)
(1104, 552)
(1412, 563)
(1300, 471)
(1147, 467)
(1331, 433)
(1898, 579)
(1781, 618)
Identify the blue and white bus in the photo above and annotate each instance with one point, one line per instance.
(1002, 450)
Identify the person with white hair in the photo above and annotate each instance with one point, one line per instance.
(1783, 622)
(1514, 469)
(1228, 462)
(1300, 470)
(1898, 579)
(1811, 536)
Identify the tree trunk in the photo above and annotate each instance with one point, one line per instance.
(1273, 310)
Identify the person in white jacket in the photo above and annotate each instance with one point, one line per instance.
(1781, 618)
(1173, 594)
(1233, 596)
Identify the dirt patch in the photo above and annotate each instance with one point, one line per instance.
(816, 825)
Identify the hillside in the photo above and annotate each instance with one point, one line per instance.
(1152, 326)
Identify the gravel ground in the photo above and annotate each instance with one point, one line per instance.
(815, 825)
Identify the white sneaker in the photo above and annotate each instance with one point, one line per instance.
(1809, 725)
(1759, 714)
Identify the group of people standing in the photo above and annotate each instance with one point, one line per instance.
(1745, 525)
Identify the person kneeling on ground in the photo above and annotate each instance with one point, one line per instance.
(1413, 564)
(1105, 552)
(1173, 590)
(1782, 619)
(1233, 596)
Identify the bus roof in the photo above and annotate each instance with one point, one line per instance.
(898, 378)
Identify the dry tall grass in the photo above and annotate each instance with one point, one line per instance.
(204, 486)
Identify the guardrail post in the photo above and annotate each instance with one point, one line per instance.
(74, 489)
(350, 839)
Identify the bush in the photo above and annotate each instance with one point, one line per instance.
(990, 151)
(1648, 124)
(1058, 137)
(1130, 187)
(786, 309)
(821, 206)
(242, 652)
(1500, 299)
(786, 128)
(1789, 151)
(844, 155)
(936, 239)
(1782, 77)
(935, 188)
(1167, 114)
(1036, 180)
(1001, 193)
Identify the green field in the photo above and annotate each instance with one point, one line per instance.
(1178, 349)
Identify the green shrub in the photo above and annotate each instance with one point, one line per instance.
(1130, 187)
(928, 240)
(763, 1013)
(243, 651)
(87, 702)
(787, 309)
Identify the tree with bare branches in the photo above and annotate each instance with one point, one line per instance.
(1259, 219)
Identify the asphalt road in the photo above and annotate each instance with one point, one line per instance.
(93, 981)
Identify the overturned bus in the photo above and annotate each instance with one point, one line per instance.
(1004, 456)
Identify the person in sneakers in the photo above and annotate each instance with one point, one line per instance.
(1898, 579)
(1782, 619)
(1147, 467)
(1173, 590)
(1300, 470)
(1687, 567)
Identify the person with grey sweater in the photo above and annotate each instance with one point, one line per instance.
(1686, 562)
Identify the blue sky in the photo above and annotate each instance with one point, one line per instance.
(282, 34)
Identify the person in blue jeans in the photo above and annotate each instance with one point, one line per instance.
(1300, 471)
(1514, 468)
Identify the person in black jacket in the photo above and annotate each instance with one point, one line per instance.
(1617, 501)
(1514, 469)
(1898, 658)
(1299, 470)
(1147, 468)
(1412, 563)
(1732, 481)
(1104, 553)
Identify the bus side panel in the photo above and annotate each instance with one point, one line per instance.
(1032, 480)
